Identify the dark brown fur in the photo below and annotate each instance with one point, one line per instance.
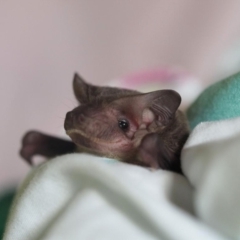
(154, 137)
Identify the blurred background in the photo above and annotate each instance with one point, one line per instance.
(43, 42)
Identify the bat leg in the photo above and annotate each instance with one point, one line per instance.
(36, 143)
(153, 153)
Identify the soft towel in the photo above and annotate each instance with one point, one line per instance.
(80, 196)
(84, 197)
(211, 161)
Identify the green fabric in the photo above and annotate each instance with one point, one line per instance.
(217, 102)
(6, 199)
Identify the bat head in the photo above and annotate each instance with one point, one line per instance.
(112, 122)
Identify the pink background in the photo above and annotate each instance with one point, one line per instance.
(42, 43)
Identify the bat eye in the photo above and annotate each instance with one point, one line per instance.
(123, 124)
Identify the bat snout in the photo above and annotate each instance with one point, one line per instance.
(73, 119)
(68, 123)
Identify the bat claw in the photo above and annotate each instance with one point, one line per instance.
(30, 145)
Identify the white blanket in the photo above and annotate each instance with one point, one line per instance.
(79, 196)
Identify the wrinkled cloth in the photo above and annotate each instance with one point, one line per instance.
(79, 196)
(211, 161)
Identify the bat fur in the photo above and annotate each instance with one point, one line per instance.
(146, 129)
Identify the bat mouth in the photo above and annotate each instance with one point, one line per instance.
(112, 149)
(78, 132)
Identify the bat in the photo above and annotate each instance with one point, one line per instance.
(145, 129)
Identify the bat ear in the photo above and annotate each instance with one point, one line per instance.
(80, 88)
(86, 93)
(163, 103)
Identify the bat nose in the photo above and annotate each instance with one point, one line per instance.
(68, 120)
(69, 115)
